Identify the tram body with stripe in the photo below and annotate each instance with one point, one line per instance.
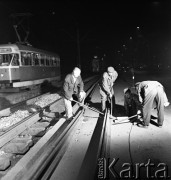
(24, 66)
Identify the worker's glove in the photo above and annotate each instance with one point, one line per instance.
(140, 100)
(81, 95)
(166, 104)
(139, 114)
(71, 99)
(110, 95)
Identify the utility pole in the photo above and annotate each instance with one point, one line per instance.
(77, 39)
(78, 47)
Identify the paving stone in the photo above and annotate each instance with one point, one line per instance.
(16, 148)
(24, 139)
(40, 124)
(5, 162)
(39, 131)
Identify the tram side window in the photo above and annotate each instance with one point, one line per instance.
(1, 59)
(25, 59)
(42, 60)
(5, 59)
(15, 60)
(36, 59)
(54, 62)
(29, 59)
(51, 61)
(47, 61)
(58, 62)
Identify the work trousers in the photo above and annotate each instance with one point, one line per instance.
(68, 105)
(105, 99)
(157, 95)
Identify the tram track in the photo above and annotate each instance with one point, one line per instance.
(33, 109)
(29, 121)
(95, 144)
(18, 138)
(95, 149)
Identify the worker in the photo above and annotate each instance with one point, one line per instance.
(106, 87)
(150, 92)
(73, 85)
(132, 105)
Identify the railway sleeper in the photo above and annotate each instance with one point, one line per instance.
(5, 161)
(40, 124)
(36, 131)
(22, 139)
(17, 147)
(46, 119)
(51, 114)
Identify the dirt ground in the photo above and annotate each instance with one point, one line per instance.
(142, 153)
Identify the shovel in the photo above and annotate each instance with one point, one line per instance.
(93, 109)
(111, 107)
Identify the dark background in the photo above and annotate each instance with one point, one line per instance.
(108, 29)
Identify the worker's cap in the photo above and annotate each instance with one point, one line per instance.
(110, 70)
(127, 90)
(76, 69)
(76, 72)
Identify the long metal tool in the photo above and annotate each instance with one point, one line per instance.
(111, 107)
(126, 118)
(130, 116)
(93, 109)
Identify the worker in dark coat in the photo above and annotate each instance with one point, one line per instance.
(148, 93)
(106, 87)
(73, 84)
(132, 104)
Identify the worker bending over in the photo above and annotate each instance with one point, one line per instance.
(150, 92)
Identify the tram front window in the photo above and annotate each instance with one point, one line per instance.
(6, 59)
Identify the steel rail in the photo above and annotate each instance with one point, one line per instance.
(89, 166)
(60, 145)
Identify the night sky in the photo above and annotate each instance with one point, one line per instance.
(102, 27)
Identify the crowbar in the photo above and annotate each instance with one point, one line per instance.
(93, 109)
(126, 118)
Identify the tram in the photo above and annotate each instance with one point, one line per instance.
(25, 66)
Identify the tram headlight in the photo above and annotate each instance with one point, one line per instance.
(2, 75)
